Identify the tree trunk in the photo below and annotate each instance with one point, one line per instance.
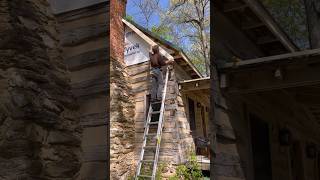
(313, 19)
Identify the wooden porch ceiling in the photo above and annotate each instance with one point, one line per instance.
(197, 87)
(292, 80)
(254, 20)
(275, 72)
(195, 84)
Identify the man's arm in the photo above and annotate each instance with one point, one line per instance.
(166, 61)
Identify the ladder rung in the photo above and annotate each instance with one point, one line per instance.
(146, 176)
(147, 161)
(155, 112)
(152, 134)
(156, 122)
(149, 147)
(157, 102)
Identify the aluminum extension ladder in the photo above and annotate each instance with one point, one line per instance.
(159, 126)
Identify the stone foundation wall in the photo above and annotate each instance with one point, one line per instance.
(39, 129)
(121, 124)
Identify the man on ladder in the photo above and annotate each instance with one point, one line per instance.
(156, 62)
(158, 95)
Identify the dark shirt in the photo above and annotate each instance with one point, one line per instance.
(157, 60)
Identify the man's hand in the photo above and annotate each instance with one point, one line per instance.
(169, 62)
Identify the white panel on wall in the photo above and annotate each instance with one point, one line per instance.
(136, 50)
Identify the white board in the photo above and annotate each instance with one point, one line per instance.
(136, 50)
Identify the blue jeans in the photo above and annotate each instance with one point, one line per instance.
(156, 83)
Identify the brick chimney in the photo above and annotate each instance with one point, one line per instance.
(117, 11)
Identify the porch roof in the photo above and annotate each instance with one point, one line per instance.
(291, 80)
(195, 84)
(199, 88)
(274, 72)
(252, 18)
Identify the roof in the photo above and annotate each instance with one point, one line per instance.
(195, 84)
(251, 17)
(179, 56)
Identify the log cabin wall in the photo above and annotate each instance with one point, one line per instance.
(84, 37)
(273, 109)
(176, 138)
(201, 118)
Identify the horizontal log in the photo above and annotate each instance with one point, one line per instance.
(138, 70)
(83, 34)
(265, 79)
(142, 88)
(101, 8)
(93, 86)
(94, 119)
(95, 153)
(139, 79)
(95, 57)
(233, 6)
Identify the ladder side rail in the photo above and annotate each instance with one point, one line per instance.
(159, 131)
(146, 130)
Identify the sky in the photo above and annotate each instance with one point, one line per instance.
(134, 11)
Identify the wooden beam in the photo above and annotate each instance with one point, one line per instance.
(263, 79)
(102, 8)
(252, 25)
(91, 58)
(308, 99)
(177, 56)
(300, 54)
(266, 40)
(233, 6)
(195, 85)
(83, 34)
(265, 17)
(190, 64)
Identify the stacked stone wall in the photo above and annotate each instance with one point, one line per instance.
(121, 100)
(39, 129)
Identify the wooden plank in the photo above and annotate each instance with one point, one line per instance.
(140, 89)
(191, 65)
(95, 57)
(82, 34)
(102, 8)
(95, 153)
(139, 79)
(266, 17)
(138, 70)
(94, 119)
(92, 86)
(266, 40)
(252, 25)
(294, 55)
(264, 79)
(234, 6)
(194, 86)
